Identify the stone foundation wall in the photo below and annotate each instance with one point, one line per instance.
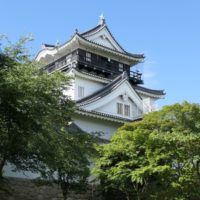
(25, 189)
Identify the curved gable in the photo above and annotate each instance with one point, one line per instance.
(101, 35)
(123, 93)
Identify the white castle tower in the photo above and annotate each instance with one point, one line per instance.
(106, 91)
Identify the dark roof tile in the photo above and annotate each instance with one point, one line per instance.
(111, 86)
(122, 119)
(104, 91)
(139, 56)
(49, 45)
(156, 92)
(100, 27)
(91, 30)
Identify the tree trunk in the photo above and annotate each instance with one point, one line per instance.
(2, 163)
(65, 195)
(127, 195)
(65, 189)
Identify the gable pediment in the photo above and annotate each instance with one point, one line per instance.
(124, 94)
(103, 37)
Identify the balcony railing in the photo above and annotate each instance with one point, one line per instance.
(136, 77)
(100, 67)
(60, 64)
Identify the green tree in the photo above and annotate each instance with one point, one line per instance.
(156, 158)
(68, 165)
(31, 103)
(35, 115)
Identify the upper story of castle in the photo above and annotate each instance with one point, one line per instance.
(95, 51)
(103, 84)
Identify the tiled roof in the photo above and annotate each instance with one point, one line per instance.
(135, 55)
(109, 117)
(75, 129)
(138, 56)
(147, 90)
(82, 36)
(91, 30)
(111, 86)
(98, 28)
(91, 76)
(49, 45)
(104, 91)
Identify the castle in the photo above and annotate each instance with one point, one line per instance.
(106, 90)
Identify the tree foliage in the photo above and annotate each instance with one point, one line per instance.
(156, 158)
(35, 115)
(68, 164)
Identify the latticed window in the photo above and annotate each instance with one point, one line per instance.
(88, 57)
(120, 108)
(127, 110)
(80, 92)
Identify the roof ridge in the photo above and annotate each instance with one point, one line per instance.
(108, 115)
(139, 56)
(48, 45)
(115, 39)
(91, 30)
(103, 91)
(100, 27)
(144, 89)
(105, 25)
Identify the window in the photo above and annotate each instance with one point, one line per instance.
(123, 109)
(121, 67)
(120, 108)
(88, 57)
(127, 110)
(80, 92)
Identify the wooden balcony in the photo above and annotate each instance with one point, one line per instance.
(135, 77)
(98, 65)
(102, 69)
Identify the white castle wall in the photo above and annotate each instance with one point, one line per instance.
(111, 108)
(148, 103)
(90, 86)
(93, 125)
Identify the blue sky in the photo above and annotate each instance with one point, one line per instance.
(167, 32)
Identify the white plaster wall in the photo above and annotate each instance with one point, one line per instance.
(90, 86)
(111, 108)
(151, 98)
(70, 91)
(99, 39)
(124, 88)
(103, 37)
(87, 124)
(149, 103)
(104, 42)
(92, 125)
